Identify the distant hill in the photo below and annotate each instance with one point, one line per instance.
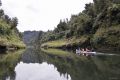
(30, 38)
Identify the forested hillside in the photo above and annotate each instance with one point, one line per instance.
(30, 38)
(97, 26)
(10, 37)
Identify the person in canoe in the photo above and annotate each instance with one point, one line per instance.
(87, 50)
(78, 51)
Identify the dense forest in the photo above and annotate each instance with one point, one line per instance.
(10, 37)
(98, 26)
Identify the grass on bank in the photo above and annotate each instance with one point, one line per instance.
(57, 43)
(12, 41)
(64, 42)
(8, 36)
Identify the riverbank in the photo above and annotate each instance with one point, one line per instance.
(97, 27)
(9, 38)
(74, 43)
(71, 43)
(12, 44)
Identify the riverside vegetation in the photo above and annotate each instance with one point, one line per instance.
(98, 26)
(10, 37)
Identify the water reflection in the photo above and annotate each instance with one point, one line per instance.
(31, 56)
(8, 62)
(35, 71)
(36, 65)
(103, 67)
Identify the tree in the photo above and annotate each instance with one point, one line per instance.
(6, 18)
(89, 10)
(1, 13)
(116, 1)
(100, 5)
(80, 25)
(14, 22)
(62, 26)
(0, 3)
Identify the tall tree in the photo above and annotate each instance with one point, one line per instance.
(1, 13)
(116, 1)
(100, 5)
(14, 22)
(0, 3)
(6, 18)
(89, 9)
(62, 26)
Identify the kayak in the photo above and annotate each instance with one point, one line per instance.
(88, 52)
(78, 51)
(85, 52)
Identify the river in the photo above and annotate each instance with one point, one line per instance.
(31, 64)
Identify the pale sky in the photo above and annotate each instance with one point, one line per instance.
(42, 14)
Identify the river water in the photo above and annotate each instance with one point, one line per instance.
(34, 64)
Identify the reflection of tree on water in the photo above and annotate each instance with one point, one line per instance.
(87, 68)
(7, 64)
(31, 56)
(78, 68)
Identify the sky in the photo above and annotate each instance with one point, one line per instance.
(42, 14)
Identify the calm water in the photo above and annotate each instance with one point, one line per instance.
(36, 65)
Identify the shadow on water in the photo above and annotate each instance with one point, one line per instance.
(37, 65)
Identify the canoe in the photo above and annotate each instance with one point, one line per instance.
(88, 52)
(85, 52)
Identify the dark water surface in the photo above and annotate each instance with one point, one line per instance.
(33, 64)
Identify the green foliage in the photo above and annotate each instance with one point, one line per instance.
(0, 3)
(1, 12)
(114, 14)
(80, 25)
(62, 26)
(54, 44)
(47, 36)
(9, 34)
(108, 37)
(100, 21)
(14, 22)
(101, 5)
(116, 1)
(89, 10)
